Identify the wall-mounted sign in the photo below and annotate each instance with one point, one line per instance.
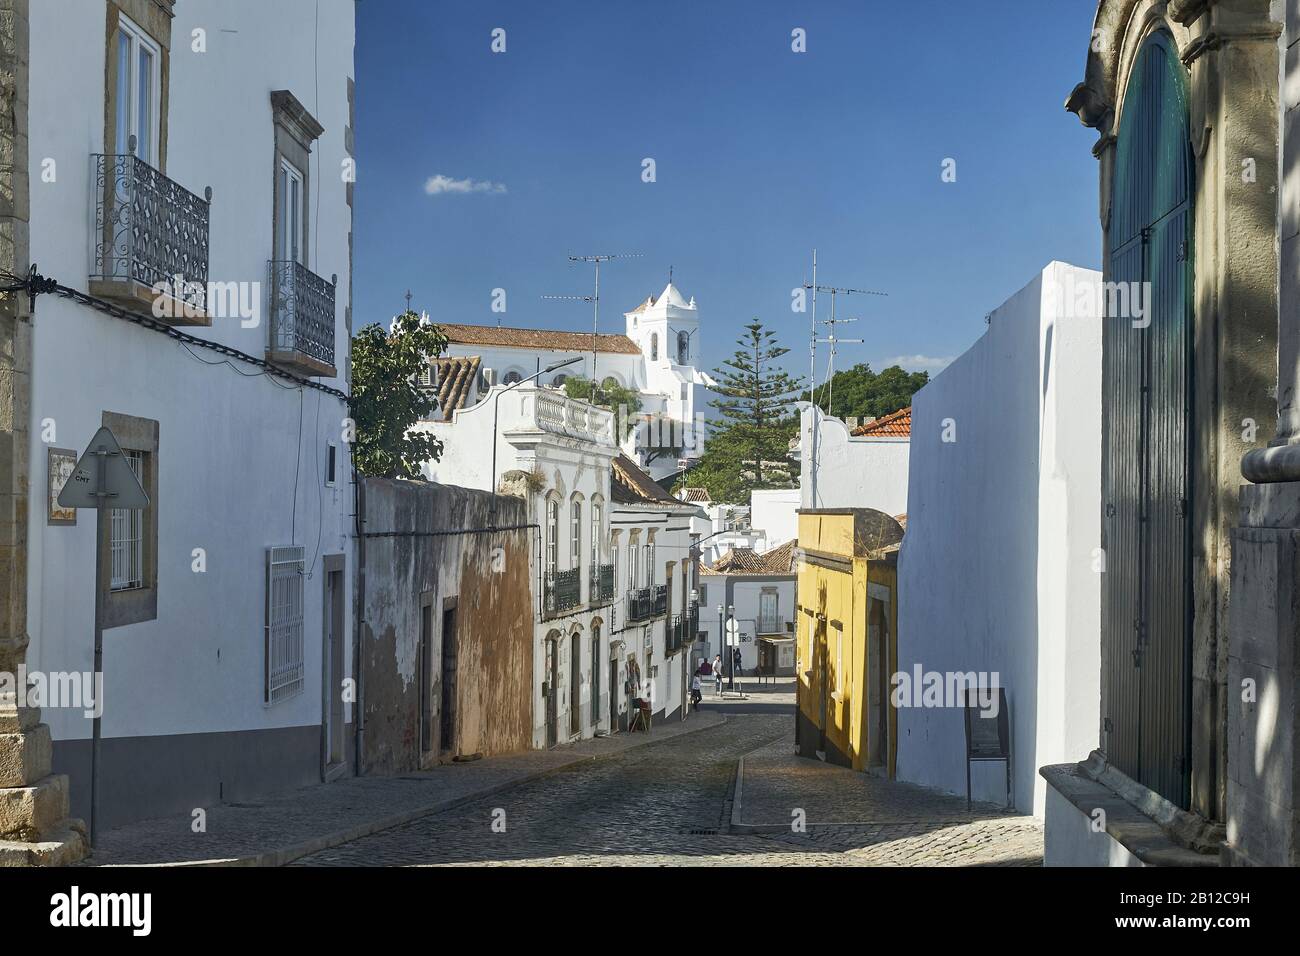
(61, 461)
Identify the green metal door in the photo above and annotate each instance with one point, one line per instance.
(1147, 431)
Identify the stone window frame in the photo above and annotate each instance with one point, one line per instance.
(137, 604)
(153, 18)
(295, 132)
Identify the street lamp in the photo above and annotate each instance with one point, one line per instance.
(496, 404)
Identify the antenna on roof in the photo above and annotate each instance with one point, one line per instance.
(834, 292)
(594, 299)
(408, 300)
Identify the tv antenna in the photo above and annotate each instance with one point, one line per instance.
(834, 292)
(594, 299)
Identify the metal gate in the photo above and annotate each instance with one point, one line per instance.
(1147, 432)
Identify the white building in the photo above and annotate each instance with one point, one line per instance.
(775, 512)
(997, 574)
(183, 139)
(758, 590)
(860, 467)
(655, 572)
(655, 358)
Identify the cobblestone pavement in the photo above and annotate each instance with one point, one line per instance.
(282, 826)
(669, 803)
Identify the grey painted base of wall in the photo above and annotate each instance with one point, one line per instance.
(143, 777)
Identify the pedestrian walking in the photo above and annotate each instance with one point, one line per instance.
(717, 676)
(696, 690)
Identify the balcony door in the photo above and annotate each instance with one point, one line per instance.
(289, 242)
(138, 91)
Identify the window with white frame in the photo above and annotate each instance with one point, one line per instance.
(613, 557)
(552, 535)
(290, 239)
(650, 560)
(139, 82)
(575, 533)
(285, 569)
(126, 537)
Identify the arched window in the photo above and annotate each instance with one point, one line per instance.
(559, 380)
(654, 346)
(512, 377)
(552, 535)
(683, 348)
(575, 532)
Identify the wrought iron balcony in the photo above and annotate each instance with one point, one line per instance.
(150, 243)
(563, 590)
(302, 319)
(661, 599)
(602, 582)
(641, 604)
(673, 635)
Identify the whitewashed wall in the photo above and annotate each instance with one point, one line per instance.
(995, 572)
(774, 513)
(240, 458)
(850, 472)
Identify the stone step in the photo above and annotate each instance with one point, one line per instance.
(25, 757)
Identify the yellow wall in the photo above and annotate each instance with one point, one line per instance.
(838, 595)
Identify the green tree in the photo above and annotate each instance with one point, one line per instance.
(749, 447)
(859, 392)
(609, 395)
(387, 398)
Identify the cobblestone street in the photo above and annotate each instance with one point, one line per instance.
(670, 803)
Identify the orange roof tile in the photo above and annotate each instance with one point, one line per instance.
(894, 425)
(537, 339)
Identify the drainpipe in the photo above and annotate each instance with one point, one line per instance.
(358, 628)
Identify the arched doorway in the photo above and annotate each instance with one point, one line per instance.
(1147, 431)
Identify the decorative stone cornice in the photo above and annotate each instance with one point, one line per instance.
(291, 114)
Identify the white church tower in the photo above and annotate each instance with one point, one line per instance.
(666, 329)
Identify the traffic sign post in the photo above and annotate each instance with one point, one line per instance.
(104, 480)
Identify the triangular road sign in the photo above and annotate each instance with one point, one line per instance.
(115, 486)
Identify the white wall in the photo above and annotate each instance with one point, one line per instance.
(774, 513)
(850, 472)
(742, 591)
(240, 458)
(995, 573)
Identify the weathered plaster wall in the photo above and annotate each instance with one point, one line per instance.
(487, 575)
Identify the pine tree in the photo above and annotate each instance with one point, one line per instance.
(752, 443)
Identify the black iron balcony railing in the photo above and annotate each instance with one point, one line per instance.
(149, 231)
(602, 582)
(302, 318)
(641, 604)
(673, 639)
(563, 590)
(661, 599)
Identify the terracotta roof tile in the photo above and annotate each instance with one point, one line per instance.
(697, 495)
(630, 485)
(456, 375)
(894, 425)
(779, 560)
(537, 339)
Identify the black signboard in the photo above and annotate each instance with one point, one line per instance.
(988, 734)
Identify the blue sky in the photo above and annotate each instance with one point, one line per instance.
(761, 154)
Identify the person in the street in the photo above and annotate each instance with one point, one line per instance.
(717, 676)
(735, 661)
(696, 690)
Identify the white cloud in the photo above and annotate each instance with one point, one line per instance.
(439, 184)
(919, 363)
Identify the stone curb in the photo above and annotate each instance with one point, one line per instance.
(737, 826)
(286, 855)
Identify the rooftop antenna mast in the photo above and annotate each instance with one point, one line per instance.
(594, 299)
(833, 340)
(835, 292)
